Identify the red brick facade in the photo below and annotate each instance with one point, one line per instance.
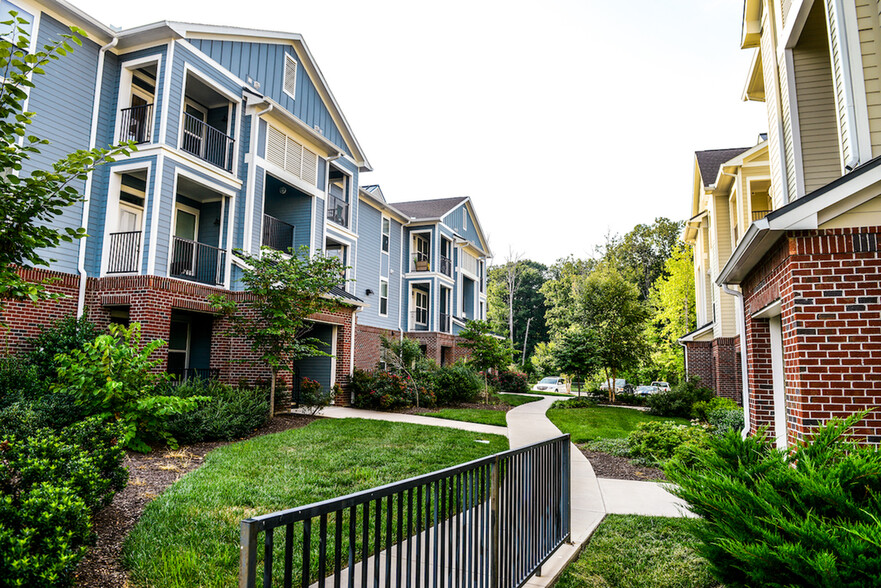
(717, 364)
(150, 301)
(443, 348)
(828, 283)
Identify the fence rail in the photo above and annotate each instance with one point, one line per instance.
(124, 252)
(489, 523)
(337, 210)
(277, 234)
(206, 142)
(760, 214)
(135, 123)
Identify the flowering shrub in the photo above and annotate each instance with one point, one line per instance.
(507, 381)
(385, 391)
(313, 398)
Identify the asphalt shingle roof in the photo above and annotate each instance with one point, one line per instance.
(437, 208)
(709, 161)
(340, 293)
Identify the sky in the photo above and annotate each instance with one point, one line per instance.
(563, 120)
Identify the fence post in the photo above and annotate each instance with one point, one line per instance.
(494, 577)
(567, 489)
(248, 554)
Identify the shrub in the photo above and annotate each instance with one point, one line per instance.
(723, 420)
(613, 446)
(387, 391)
(509, 381)
(228, 413)
(579, 402)
(630, 399)
(50, 484)
(19, 380)
(63, 336)
(313, 398)
(112, 376)
(679, 400)
(804, 517)
(456, 383)
(700, 410)
(656, 442)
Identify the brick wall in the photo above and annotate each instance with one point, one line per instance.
(24, 320)
(368, 345)
(829, 285)
(717, 364)
(437, 343)
(700, 361)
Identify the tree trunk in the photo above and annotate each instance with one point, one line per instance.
(610, 384)
(272, 393)
(525, 339)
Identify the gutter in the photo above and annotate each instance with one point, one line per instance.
(93, 137)
(741, 325)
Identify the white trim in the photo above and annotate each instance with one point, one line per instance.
(284, 75)
(287, 177)
(154, 214)
(778, 378)
(348, 193)
(333, 352)
(382, 223)
(858, 84)
(400, 279)
(794, 125)
(379, 306)
(126, 69)
(115, 185)
(166, 93)
(221, 190)
(182, 157)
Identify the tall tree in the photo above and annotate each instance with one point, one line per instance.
(529, 303)
(488, 352)
(29, 203)
(671, 304)
(640, 254)
(613, 320)
(286, 290)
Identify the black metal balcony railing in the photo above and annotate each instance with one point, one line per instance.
(490, 523)
(446, 266)
(277, 234)
(337, 210)
(206, 142)
(419, 319)
(136, 123)
(760, 214)
(198, 262)
(124, 252)
(444, 326)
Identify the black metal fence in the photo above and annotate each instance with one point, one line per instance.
(124, 252)
(198, 262)
(489, 523)
(446, 266)
(206, 142)
(136, 123)
(277, 234)
(444, 323)
(337, 210)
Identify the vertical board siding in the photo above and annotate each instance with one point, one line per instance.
(454, 221)
(264, 63)
(62, 101)
(844, 132)
(815, 94)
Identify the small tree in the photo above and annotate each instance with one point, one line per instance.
(405, 356)
(488, 352)
(30, 203)
(286, 290)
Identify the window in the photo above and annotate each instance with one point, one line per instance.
(178, 346)
(421, 306)
(290, 76)
(383, 297)
(421, 254)
(464, 219)
(386, 229)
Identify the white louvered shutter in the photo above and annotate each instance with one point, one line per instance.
(275, 147)
(294, 160)
(290, 76)
(310, 167)
(290, 155)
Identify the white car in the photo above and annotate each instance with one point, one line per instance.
(551, 384)
(662, 386)
(646, 390)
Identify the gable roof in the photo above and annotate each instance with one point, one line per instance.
(375, 191)
(709, 161)
(429, 209)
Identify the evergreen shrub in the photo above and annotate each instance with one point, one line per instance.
(809, 516)
(680, 400)
(656, 442)
(456, 383)
(228, 413)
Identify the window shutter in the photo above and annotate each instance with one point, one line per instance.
(275, 147)
(290, 76)
(294, 157)
(310, 167)
(290, 155)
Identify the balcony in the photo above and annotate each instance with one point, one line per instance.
(124, 252)
(421, 263)
(419, 319)
(136, 124)
(207, 143)
(760, 214)
(337, 210)
(277, 234)
(444, 326)
(446, 266)
(197, 262)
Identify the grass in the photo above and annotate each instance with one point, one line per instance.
(189, 536)
(483, 416)
(630, 551)
(601, 422)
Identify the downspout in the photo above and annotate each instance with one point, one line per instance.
(684, 355)
(744, 377)
(850, 109)
(93, 137)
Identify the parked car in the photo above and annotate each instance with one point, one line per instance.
(661, 385)
(621, 385)
(646, 390)
(551, 384)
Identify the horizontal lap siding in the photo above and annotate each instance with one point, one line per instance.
(372, 265)
(318, 222)
(838, 81)
(62, 101)
(772, 96)
(264, 63)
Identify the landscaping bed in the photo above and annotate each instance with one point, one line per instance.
(606, 465)
(149, 475)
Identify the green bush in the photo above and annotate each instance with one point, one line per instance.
(386, 391)
(656, 442)
(456, 383)
(113, 377)
(19, 380)
(63, 336)
(228, 413)
(508, 381)
(578, 402)
(810, 516)
(619, 447)
(313, 398)
(700, 410)
(50, 485)
(630, 399)
(679, 400)
(722, 414)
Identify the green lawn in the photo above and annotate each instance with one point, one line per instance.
(601, 422)
(189, 536)
(515, 399)
(629, 551)
(471, 415)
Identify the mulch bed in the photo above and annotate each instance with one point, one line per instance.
(606, 465)
(149, 474)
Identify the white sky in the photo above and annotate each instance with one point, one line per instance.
(562, 119)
